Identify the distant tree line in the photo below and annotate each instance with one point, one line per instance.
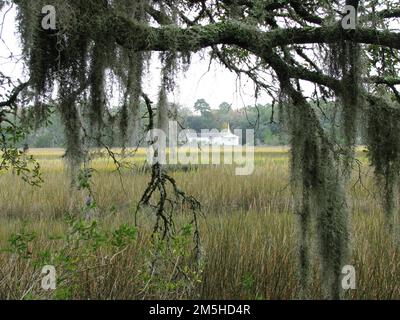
(265, 120)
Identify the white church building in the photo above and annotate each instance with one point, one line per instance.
(213, 138)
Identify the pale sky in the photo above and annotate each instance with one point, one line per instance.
(215, 85)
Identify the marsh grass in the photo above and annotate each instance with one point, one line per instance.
(248, 234)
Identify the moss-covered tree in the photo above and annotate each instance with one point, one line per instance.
(280, 45)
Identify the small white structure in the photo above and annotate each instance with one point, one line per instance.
(213, 138)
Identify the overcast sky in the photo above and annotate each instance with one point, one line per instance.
(212, 82)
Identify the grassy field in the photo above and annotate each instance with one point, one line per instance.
(248, 236)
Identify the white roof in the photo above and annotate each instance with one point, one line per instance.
(226, 133)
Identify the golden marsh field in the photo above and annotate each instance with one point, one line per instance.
(248, 235)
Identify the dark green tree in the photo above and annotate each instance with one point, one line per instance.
(224, 107)
(202, 106)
